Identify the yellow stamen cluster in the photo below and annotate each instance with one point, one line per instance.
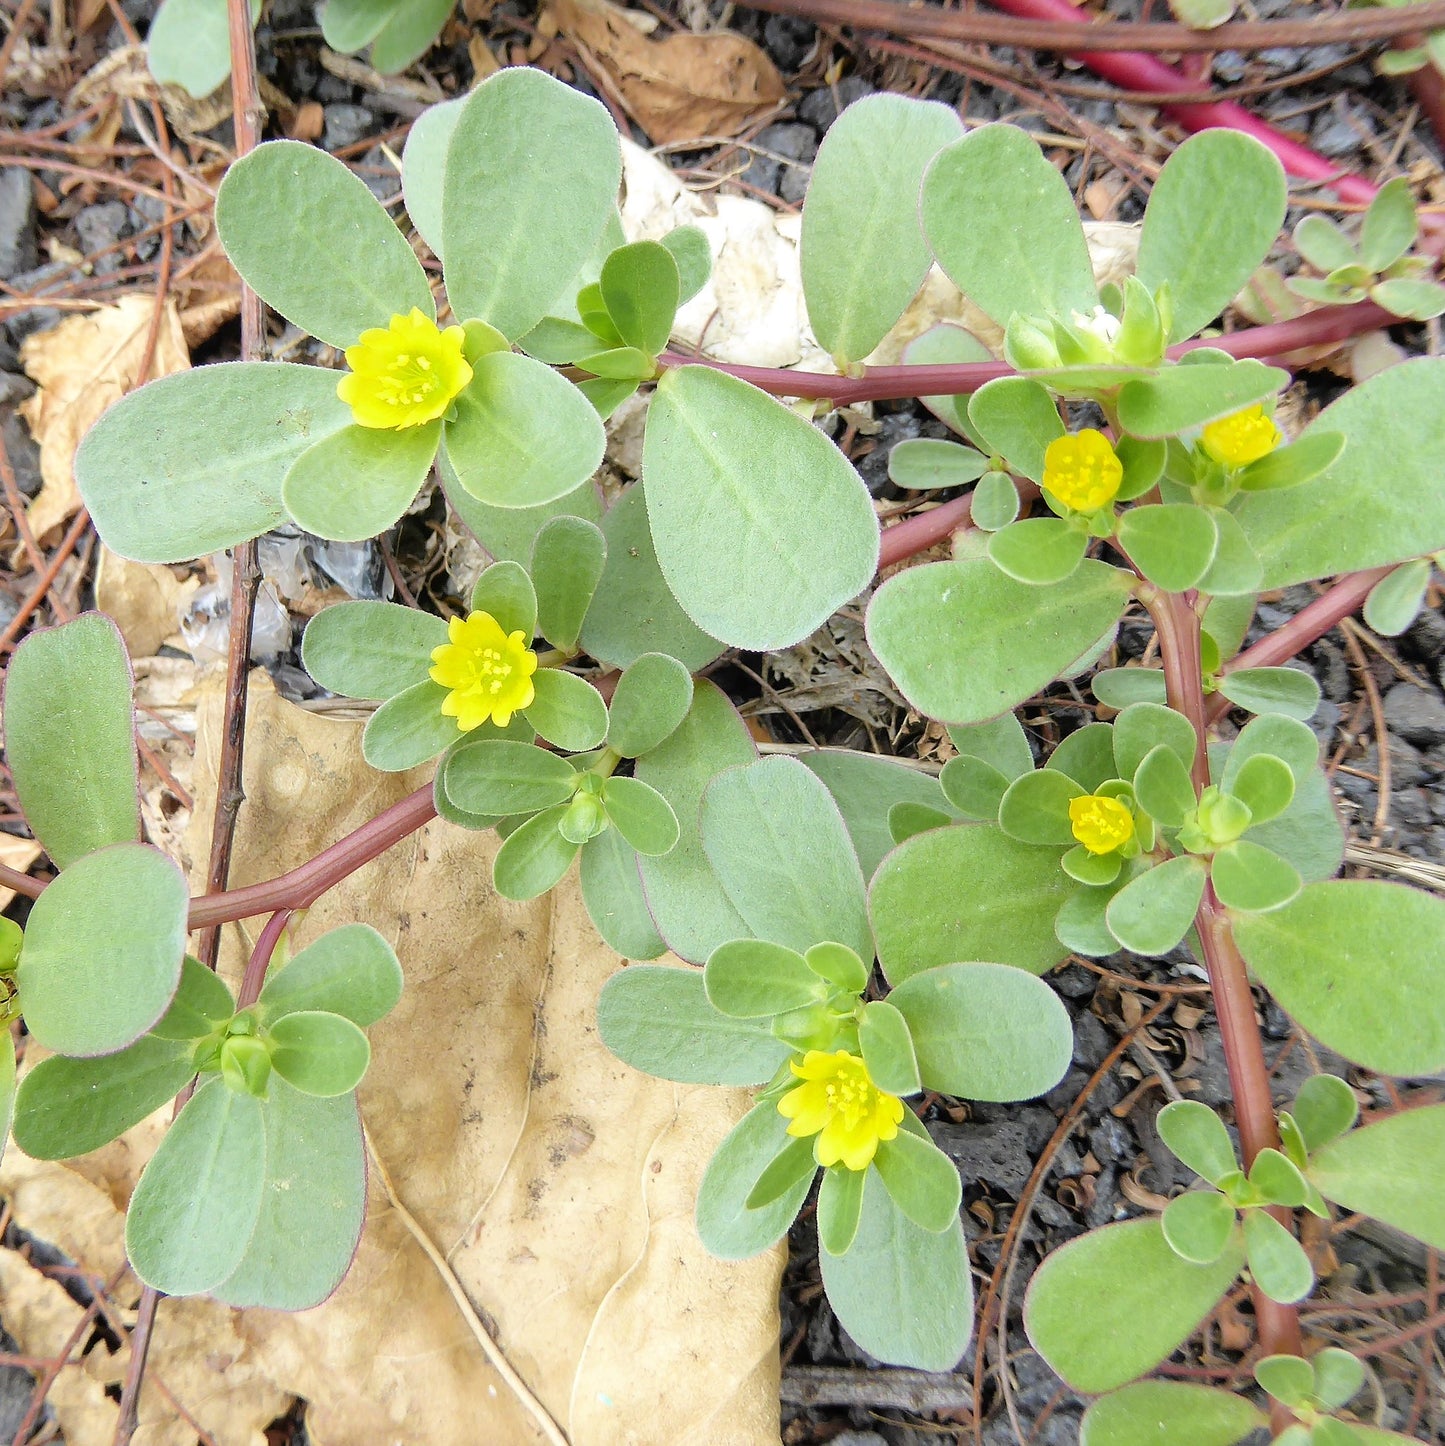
(1083, 471)
(1242, 437)
(488, 672)
(839, 1103)
(1100, 823)
(404, 374)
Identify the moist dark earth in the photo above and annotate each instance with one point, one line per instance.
(1111, 1164)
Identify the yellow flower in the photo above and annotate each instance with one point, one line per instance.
(404, 374)
(489, 672)
(1100, 823)
(1241, 438)
(842, 1106)
(1082, 470)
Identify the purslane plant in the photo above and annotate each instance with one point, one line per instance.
(1124, 464)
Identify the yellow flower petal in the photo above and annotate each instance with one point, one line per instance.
(1100, 823)
(488, 673)
(1242, 437)
(839, 1103)
(1083, 471)
(405, 374)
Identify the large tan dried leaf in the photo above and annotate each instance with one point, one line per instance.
(557, 1182)
(680, 88)
(144, 599)
(82, 366)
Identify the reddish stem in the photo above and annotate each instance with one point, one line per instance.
(260, 960)
(878, 384)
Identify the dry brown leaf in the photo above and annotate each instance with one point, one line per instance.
(558, 1182)
(144, 599)
(82, 366)
(680, 88)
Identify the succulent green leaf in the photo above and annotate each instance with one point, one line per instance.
(67, 1107)
(863, 255)
(840, 966)
(1324, 1109)
(1290, 1379)
(195, 1207)
(534, 857)
(948, 635)
(1272, 734)
(1151, 914)
(612, 891)
(504, 590)
(1389, 227)
(920, 463)
(371, 650)
(408, 34)
(1251, 879)
(1265, 785)
(1277, 1261)
(840, 1207)
(351, 25)
(1298, 462)
(1204, 251)
(1173, 546)
(907, 819)
(162, 489)
(725, 1225)
(507, 533)
(1093, 869)
(1338, 1377)
(633, 612)
(1086, 756)
(1389, 1170)
(567, 560)
(201, 1004)
(531, 181)
(904, 1294)
(754, 979)
(1141, 727)
(1187, 396)
(923, 1182)
(996, 901)
(567, 710)
(1017, 418)
(641, 815)
(349, 971)
(738, 548)
(973, 787)
(1321, 242)
(1081, 924)
(1040, 551)
(985, 1031)
(313, 1200)
(887, 1049)
(1001, 742)
(657, 1018)
(339, 265)
(69, 744)
(1162, 1413)
(1272, 690)
(189, 44)
(793, 1163)
(1197, 1136)
(947, 345)
(1409, 298)
(499, 776)
(1121, 687)
(1394, 425)
(521, 434)
(779, 846)
(1358, 963)
(1198, 1225)
(984, 192)
(1278, 1180)
(103, 950)
(1163, 787)
(319, 1053)
(995, 502)
(685, 895)
(1395, 601)
(1035, 808)
(641, 288)
(1111, 1305)
(649, 703)
(408, 729)
(423, 158)
(357, 482)
(866, 789)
